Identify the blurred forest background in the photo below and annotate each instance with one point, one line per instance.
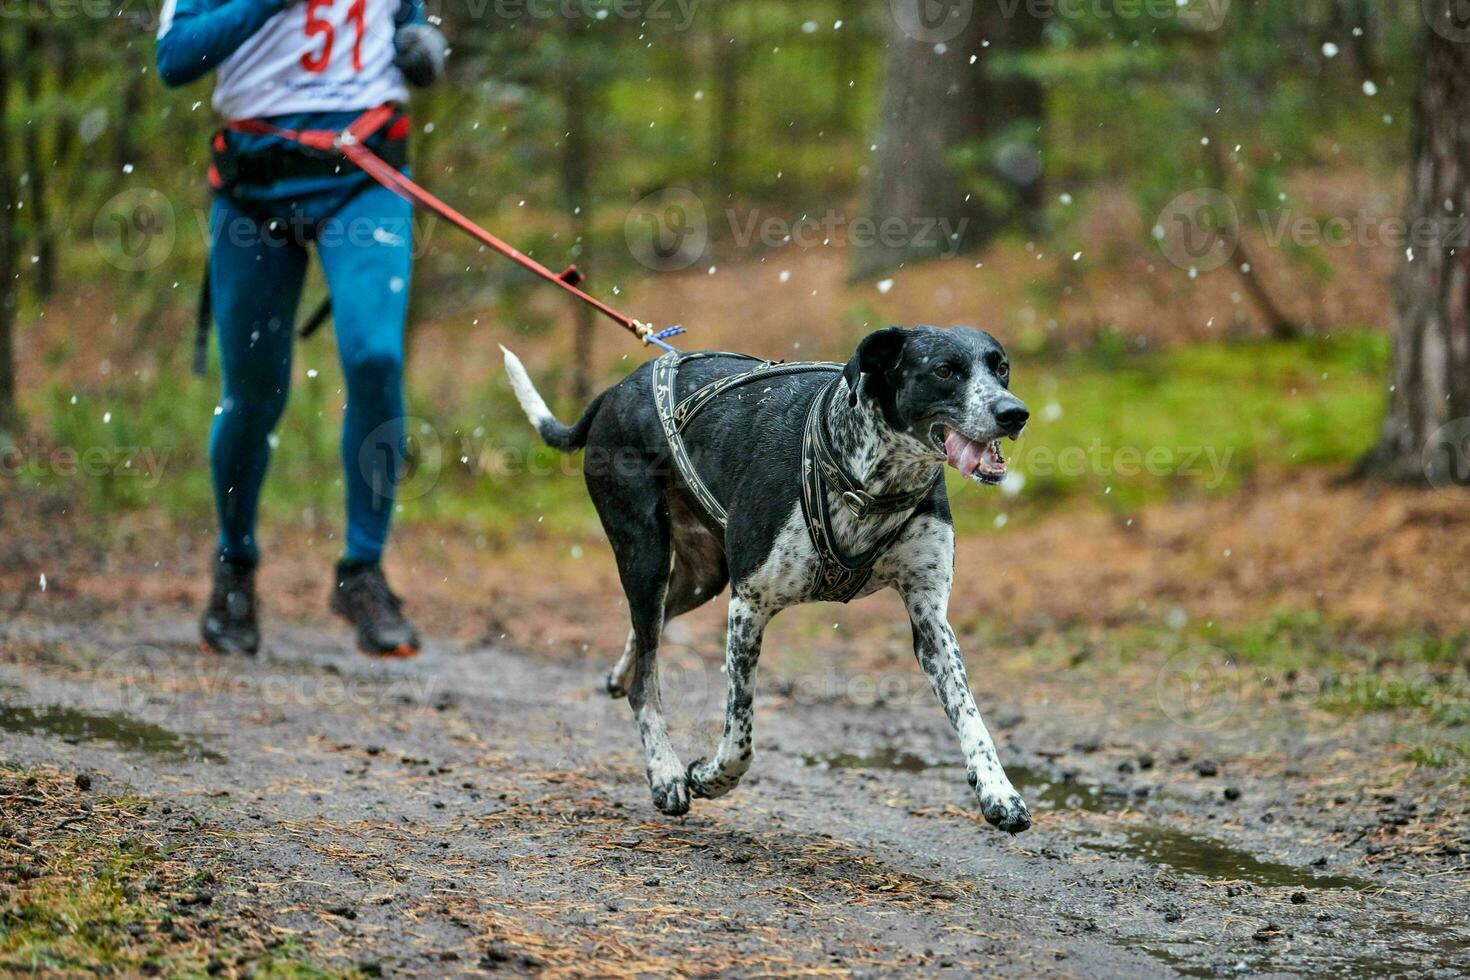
(1179, 217)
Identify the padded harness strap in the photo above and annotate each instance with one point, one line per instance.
(839, 576)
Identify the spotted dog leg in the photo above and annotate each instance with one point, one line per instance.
(710, 779)
(639, 536)
(939, 656)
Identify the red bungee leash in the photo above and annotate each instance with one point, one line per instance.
(351, 143)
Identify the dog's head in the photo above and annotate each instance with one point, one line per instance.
(944, 393)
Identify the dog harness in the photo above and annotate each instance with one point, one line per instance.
(839, 576)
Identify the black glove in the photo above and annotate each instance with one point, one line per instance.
(421, 52)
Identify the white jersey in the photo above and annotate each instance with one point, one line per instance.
(315, 56)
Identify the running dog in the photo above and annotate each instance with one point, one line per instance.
(792, 483)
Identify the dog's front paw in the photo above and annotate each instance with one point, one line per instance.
(1005, 810)
(671, 796)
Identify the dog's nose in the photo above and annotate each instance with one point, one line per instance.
(1011, 415)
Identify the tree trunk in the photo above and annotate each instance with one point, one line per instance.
(1426, 432)
(124, 150)
(576, 161)
(67, 117)
(725, 87)
(935, 100)
(9, 417)
(36, 169)
(1357, 15)
(847, 62)
(1281, 326)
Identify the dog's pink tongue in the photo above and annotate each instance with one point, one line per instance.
(963, 454)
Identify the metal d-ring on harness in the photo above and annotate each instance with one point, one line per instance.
(840, 576)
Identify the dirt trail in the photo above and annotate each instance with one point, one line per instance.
(482, 809)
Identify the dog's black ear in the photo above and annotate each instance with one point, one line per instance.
(879, 351)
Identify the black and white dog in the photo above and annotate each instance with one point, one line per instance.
(789, 467)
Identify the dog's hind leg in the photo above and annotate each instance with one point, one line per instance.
(698, 576)
(640, 541)
(717, 777)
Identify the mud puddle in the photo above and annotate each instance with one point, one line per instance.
(1202, 857)
(1041, 789)
(74, 725)
(1442, 953)
(889, 758)
(1205, 857)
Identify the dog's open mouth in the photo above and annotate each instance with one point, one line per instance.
(982, 462)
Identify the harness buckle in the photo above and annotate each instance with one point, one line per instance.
(859, 502)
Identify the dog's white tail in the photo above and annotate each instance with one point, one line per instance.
(531, 401)
(556, 435)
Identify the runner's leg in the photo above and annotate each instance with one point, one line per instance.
(366, 254)
(255, 282)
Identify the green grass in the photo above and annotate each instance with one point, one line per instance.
(1440, 756)
(1287, 659)
(1115, 428)
(101, 897)
(1125, 429)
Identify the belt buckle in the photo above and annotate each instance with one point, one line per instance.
(858, 502)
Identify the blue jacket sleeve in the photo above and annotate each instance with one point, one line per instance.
(199, 34)
(409, 12)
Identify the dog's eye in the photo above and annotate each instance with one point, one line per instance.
(944, 372)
